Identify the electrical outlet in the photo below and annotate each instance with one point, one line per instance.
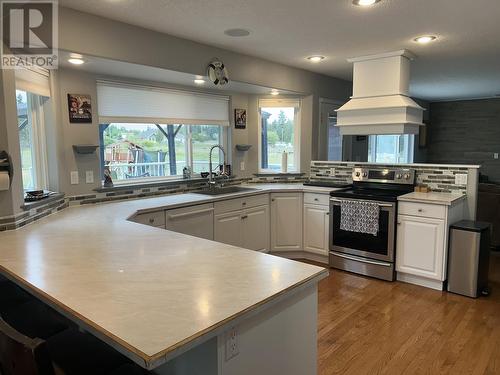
(74, 178)
(461, 179)
(242, 166)
(89, 177)
(495, 155)
(332, 171)
(231, 343)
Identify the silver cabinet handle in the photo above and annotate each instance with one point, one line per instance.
(177, 216)
(379, 204)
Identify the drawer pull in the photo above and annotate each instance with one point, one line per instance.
(151, 220)
(244, 203)
(420, 210)
(316, 199)
(244, 217)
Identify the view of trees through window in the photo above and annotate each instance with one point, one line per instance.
(278, 135)
(157, 150)
(25, 140)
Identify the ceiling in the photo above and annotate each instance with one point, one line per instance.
(462, 63)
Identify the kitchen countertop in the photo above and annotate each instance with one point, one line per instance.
(148, 292)
(432, 197)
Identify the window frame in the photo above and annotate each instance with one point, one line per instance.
(35, 114)
(372, 148)
(296, 135)
(223, 140)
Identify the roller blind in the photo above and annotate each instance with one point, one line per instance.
(285, 102)
(34, 80)
(142, 104)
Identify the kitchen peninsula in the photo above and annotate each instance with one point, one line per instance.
(168, 300)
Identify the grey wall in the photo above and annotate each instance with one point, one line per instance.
(466, 132)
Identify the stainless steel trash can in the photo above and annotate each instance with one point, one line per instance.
(468, 258)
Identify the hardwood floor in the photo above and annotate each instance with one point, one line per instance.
(368, 326)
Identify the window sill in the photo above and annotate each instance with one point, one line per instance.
(42, 202)
(152, 184)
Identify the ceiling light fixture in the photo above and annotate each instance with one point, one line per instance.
(316, 58)
(236, 33)
(424, 39)
(199, 81)
(275, 92)
(76, 61)
(365, 3)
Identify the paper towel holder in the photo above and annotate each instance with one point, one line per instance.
(6, 164)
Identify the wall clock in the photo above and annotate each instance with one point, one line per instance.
(217, 73)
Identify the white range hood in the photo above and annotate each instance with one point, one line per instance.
(380, 103)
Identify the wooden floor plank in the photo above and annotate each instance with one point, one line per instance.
(367, 326)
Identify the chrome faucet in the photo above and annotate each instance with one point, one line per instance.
(211, 181)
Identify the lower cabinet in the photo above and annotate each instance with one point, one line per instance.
(316, 229)
(247, 228)
(286, 221)
(421, 246)
(196, 221)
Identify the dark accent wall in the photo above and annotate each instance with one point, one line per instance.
(465, 132)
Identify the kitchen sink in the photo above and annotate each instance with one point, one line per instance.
(224, 190)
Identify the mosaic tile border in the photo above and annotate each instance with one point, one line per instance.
(438, 179)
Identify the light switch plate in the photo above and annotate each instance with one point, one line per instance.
(232, 349)
(461, 179)
(89, 177)
(74, 177)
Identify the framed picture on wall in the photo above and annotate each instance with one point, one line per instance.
(80, 108)
(240, 118)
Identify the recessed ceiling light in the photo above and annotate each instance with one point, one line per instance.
(237, 32)
(424, 39)
(76, 61)
(316, 58)
(365, 3)
(199, 81)
(275, 92)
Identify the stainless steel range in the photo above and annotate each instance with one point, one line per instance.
(365, 253)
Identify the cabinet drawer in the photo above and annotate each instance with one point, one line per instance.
(241, 203)
(315, 198)
(422, 209)
(156, 219)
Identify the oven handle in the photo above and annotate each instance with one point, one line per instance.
(380, 204)
(364, 260)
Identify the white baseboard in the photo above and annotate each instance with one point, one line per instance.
(323, 259)
(419, 280)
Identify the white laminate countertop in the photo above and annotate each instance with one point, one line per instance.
(147, 291)
(447, 199)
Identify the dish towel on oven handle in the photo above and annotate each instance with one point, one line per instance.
(359, 216)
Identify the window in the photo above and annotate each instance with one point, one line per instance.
(279, 129)
(30, 120)
(149, 132)
(133, 151)
(391, 149)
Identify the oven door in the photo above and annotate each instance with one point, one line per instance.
(379, 247)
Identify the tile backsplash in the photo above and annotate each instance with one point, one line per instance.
(437, 178)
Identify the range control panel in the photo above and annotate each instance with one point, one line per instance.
(386, 175)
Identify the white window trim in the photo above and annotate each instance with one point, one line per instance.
(296, 132)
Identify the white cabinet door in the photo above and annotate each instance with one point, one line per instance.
(196, 221)
(420, 246)
(316, 229)
(256, 234)
(228, 228)
(286, 221)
